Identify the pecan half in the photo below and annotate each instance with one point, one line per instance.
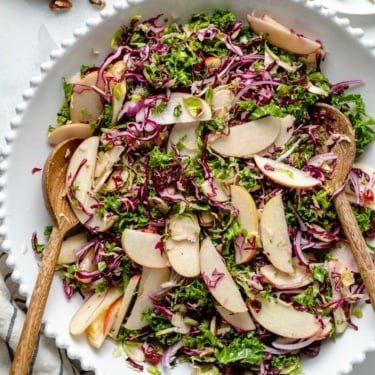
(100, 3)
(60, 4)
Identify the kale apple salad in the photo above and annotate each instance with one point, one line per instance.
(208, 233)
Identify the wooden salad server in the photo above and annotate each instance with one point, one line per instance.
(345, 150)
(54, 192)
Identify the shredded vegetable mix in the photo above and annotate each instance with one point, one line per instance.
(208, 234)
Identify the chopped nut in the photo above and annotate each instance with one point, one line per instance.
(66, 4)
(100, 3)
(60, 4)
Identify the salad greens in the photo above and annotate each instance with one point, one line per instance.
(154, 178)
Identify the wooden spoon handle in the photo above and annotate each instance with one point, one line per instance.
(33, 320)
(357, 243)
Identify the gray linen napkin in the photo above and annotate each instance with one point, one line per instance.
(47, 358)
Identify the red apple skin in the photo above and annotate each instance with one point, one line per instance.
(218, 279)
(280, 36)
(284, 174)
(111, 315)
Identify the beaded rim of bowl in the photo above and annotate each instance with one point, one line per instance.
(16, 123)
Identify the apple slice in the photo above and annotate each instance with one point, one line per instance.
(73, 130)
(91, 309)
(87, 264)
(79, 181)
(344, 254)
(283, 319)
(81, 168)
(218, 279)
(222, 100)
(284, 174)
(286, 132)
(118, 179)
(95, 331)
(215, 190)
(241, 321)
(69, 247)
(125, 305)
(98, 330)
(104, 165)
(151, 281)
(242, 200)
(274, 235)
(282, 37)
(272, 60)
(342, 278)
(86, 104)
(281, 280)
(185, 136)
(247, 139)
(181, 108)
(313, 58)
(142, 248)
(182, 244)
(134, 351)
(184, 257)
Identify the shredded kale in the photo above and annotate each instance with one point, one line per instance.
(288, 364)
(365, 217)
(246, 349)
(194, 293)
(319, 273)
(64, 113)
(353, 106)
(159, 159)
(220, 18)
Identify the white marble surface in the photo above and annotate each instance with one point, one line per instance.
(29, 30)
